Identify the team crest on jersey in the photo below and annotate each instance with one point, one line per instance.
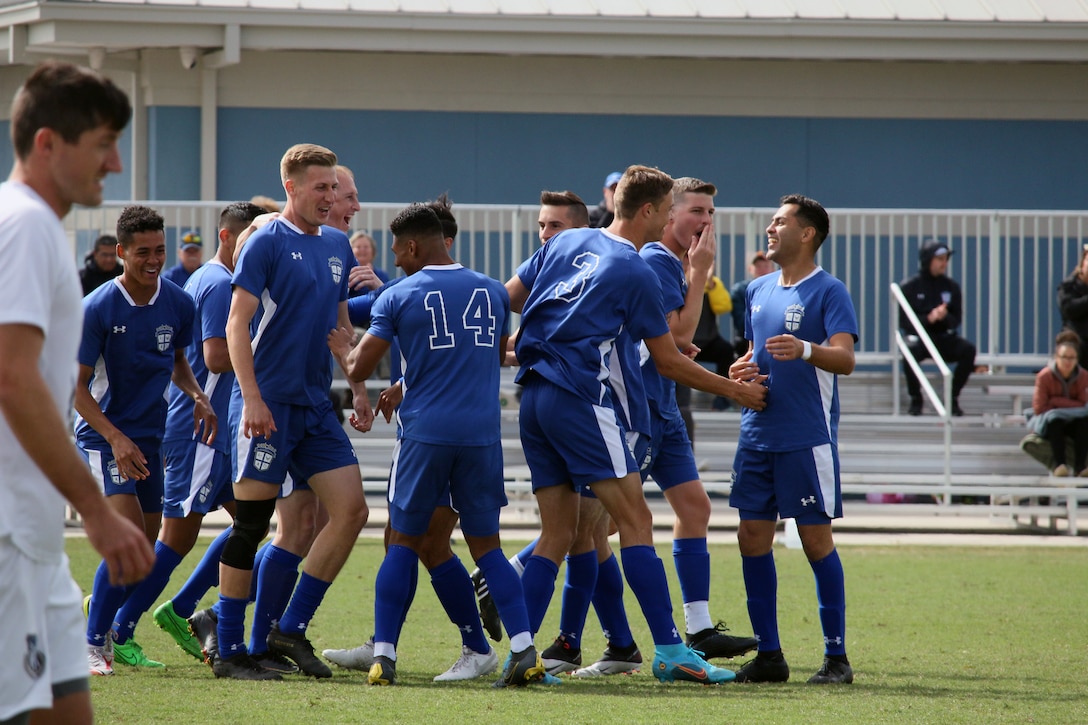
(34, 659)
(263, 455)
(164, 335)
(794, 315)
(115, 473)
(336, 266)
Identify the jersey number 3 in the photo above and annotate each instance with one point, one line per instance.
(477, 318)
(585, 263)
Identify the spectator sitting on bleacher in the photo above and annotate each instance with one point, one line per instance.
(1059, 406)
(1073, 304)
(937, 301)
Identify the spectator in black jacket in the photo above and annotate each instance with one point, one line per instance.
(100, 264)
(937, 301)
(1073, 304)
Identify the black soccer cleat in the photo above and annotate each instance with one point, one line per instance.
(560, 657)
(297, 648)
(275, 662)
(523, 668)
(765, 668)
(712, 643)
(383, 672)
(204, 625)
(833, 672)
(241, 667)
(489, 613)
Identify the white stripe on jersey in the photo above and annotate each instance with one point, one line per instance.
(269, 305)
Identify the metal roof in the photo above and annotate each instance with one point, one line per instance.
(942, 30)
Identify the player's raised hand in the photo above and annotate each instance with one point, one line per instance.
(341, 340)
(691, 351)
(744, 369)
(750, 393)
(362, 419)
(703, 249)
(362, 275)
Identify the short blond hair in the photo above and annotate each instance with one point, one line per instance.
(638, 186)
(302, 156)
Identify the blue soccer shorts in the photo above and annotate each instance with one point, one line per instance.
(149, 491)
(308, 440)
(568, 440)
(196, 479)
(672, 461)
(425, 476)
(802, 485)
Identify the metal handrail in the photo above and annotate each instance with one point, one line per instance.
(943, 406)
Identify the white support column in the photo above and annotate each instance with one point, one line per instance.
(209, 132)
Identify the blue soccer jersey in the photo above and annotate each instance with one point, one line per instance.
(587, 288)
(210, 289)
(131, 348)
(802, 400)
(305, 275)
(448, 321)
(661, 391)
(359, 313)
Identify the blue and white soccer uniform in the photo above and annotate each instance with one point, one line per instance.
(787, 459)
(672, 461)
(306, 274)
(587, 288)
(449, 321)
(198, 475)
(131, 348)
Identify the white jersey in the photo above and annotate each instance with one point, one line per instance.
(39, 287)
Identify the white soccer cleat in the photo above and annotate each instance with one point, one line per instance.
(470, 665)
(356, 658)
(613, 662)
(100, 659)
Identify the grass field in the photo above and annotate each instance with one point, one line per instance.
(935, 635)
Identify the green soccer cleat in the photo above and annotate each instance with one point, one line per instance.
(178, 628)
(132, 654)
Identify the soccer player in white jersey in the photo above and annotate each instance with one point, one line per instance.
(581, 291)
(197, 475)
(296, 270)
(801, 327)
(452, 324)
(65, 122)
(135, 331)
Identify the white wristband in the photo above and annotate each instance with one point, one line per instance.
(806, 353)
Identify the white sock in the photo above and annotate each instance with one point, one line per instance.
(521, 642)
(385, 649)
(697, 616)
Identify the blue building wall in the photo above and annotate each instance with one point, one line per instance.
(116, 186)
(508, 158)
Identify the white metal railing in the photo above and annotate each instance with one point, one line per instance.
(941, 402)
(1008, 263)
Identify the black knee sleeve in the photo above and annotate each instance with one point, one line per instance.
(250, 526)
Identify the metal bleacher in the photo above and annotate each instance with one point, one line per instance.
(892, 465)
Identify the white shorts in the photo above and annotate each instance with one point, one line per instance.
(42, 637)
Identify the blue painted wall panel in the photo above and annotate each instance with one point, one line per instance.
(173, 158)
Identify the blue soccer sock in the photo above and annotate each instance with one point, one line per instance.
(519, 560)
(391, 589)
(147, 591)
(692, 561)
(646, 577)
(275, 582)
(231, 630)
(105, 601)
(455, 592)
(831, 596)
(204, 577)
(308, 596)
(538, 584)
(506, 591)
(608, 603)
(413, 583)
(761, 583)
(258, 560)
(577, 594)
